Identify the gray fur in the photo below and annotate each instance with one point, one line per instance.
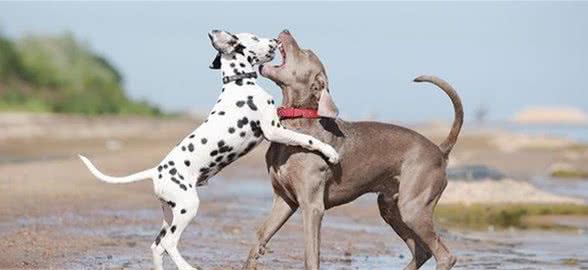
(404, 168)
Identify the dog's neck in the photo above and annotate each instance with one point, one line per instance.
(298, 99)
(236, 64)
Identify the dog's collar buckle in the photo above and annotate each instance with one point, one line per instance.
(287, 113)
(232, 78)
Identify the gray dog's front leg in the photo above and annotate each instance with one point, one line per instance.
(279, 214)
(313, 208)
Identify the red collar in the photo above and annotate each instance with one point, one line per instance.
(286, 113)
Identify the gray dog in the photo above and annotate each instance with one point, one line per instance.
(405, 169)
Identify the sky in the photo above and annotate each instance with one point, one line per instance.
(501, 56)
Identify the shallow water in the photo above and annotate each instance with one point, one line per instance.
(223, 231)
(568, 187)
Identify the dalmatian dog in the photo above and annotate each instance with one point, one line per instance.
(243, 116)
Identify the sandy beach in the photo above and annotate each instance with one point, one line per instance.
(54, 214)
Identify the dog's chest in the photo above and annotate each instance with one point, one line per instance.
(231, 130)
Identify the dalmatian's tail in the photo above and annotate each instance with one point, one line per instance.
(149, 173)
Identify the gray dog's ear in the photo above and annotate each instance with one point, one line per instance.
(326, 105)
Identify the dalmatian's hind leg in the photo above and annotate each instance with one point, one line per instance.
(184, 210)
(156, 247)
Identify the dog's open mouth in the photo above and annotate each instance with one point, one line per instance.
(283, 54)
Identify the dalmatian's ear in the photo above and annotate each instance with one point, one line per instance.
(225, 42)
(216, 63)
(326, 105)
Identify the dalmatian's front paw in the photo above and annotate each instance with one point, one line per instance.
(330, 153)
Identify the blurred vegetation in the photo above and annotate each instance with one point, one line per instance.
(480, 216)
(60, 74)
(569, 173)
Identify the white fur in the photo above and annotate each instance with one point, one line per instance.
(176, 177)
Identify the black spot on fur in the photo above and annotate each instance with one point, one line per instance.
(240, 103)
(239, 82)
(192, 136)
(173, 179)
(159, 168)
(214, 153)
(212, 113)
(242, 122)
(182, 186)
(221, 143)
(309, 141)
(212, 164)
(273, 123)
(172, 204)
(250, 83)
(225, 149)
(204, 140)
(171, 163)
(160, 176)
(173, 229)
(251, 104)
(191, 147)
(232, 65)
(183, 148)
(183, 211)
(243, 133)
(231, 130)
(159, 236)
(219, 158)
(173, 171)
(165, 166)
(187, 163)
(221, 113)
(255, 128)
(231, 156)
(242, 65)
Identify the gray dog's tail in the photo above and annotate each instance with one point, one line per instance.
(449, 142)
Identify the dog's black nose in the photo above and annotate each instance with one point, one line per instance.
(214, 31)
(285, 31)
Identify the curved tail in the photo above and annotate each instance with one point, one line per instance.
(449, 142)
(149, 173)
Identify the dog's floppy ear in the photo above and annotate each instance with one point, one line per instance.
(216, 63)
(326, 105)
(224, 42)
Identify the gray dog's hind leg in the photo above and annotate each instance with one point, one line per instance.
(391, 214)
(279, 214)
(419, 191)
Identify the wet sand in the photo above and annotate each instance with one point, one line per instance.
(54, 214)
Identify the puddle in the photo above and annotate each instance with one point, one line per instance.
(568, 187)
(222, 238)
